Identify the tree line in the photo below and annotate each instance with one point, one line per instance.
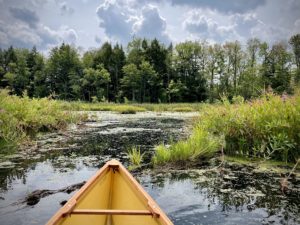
(149, 71)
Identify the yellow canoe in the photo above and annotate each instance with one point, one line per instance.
(111, 197)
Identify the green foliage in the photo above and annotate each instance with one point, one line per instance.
(266, 128)
(104, 106)
(21, 117)
(151, 72)
(64, 70)
(201, 144)
(135, 157)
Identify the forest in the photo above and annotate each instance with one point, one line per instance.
(149, 71)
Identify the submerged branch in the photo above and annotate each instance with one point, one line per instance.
(34, 197)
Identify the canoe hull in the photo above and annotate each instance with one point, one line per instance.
(111, 197)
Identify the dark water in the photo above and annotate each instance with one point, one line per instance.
(188, 197)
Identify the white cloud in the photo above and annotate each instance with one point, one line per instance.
(204, 26)
(121, 21)
(116, 20)
(21, 35)
(151, 25)
(228, 6)
(44, 22)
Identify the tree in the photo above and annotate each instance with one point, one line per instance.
(95, 83)
(280, 67)
(295, 42)
(135, 52)
(249, 81)
(187, 61)
(149, 80)
(64, 71)
(175, 91)
(104, 56)
(131, 80)
(37, 79)
(214, 67)
(233, 52)
(118, 61)
(9, 65)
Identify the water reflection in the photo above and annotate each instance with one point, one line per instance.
(199, 198)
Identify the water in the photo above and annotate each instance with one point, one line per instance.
(188, 197)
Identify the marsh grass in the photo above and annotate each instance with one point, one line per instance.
(21, 118)
(267, 128)
(201, 144)
(183, 109)
(123, 107)
(135, 157)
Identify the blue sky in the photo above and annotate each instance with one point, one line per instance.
(89, 23)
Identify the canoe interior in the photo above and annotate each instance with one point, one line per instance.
(112, 190)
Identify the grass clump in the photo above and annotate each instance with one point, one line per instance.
(24, 117)
(131, 107)
(267, 128)
(135, 157)
(201, 144)
(128, 109)
(121, 108)
(183, 109)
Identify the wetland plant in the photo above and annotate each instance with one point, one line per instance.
(265, 128)
(135, 157)
(22, 117)
(201, 144)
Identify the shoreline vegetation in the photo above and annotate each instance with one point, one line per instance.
(147, 75)
(21, 118)
(267, 128)
(132, 108)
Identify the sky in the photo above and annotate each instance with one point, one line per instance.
(87, 24)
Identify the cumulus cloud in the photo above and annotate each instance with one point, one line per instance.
(202, 24)
(121, 21)
(228, 6)
(196, 22)
(21, 35)
(44, 23)
(205, 27)
(151, 25)
(22, 27)
(115, 20)
(244, 23)
(26, 15)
